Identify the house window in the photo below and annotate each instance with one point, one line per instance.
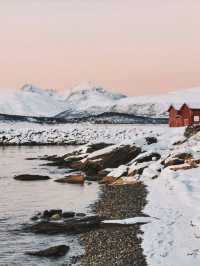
(196, 118)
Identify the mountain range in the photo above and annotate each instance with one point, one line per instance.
(88, 99)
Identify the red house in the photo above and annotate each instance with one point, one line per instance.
(184, 116)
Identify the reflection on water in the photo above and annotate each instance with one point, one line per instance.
(20, 200)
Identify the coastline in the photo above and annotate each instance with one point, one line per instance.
(116, 245)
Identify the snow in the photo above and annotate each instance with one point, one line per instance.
(31, 101)
(20, 133)
(127, 221)
(174, 199)
(90, 99)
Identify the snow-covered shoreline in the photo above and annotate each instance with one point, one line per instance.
(172, 237)
(30, 133)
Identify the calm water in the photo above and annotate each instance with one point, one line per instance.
(20, 200)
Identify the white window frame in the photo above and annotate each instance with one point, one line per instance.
(196, 118)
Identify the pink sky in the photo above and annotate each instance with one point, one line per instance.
(133, 46)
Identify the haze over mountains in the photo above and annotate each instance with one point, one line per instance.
(88, 99)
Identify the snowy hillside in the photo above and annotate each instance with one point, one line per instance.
(96, 100)
(31, 101)
(157, 105)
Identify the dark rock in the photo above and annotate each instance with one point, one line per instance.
(183, 156)
(151, 140)
(173, 161)
(27, 177)
(96, 146)
(56, 251)
(191, 130)
(68, 214)
(49, 213)
(80, 214)
(147, 157)
(71, 226)
(110, 159)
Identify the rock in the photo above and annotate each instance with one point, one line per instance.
(56, 251)
(96, 146)
(191, 130)
(151, 140)
(104, 172)
(125, 181)
(147, 157)
(173, 161)
(122, 170)
(110, 157)
(68, 214)
(80, 214)
(71, 226)
(184, 166)
(72, 179)
(183, 155)
(48, 214)
(55, 217)
(28, 177)
(137, 169)
(35, 218)
(108, 180)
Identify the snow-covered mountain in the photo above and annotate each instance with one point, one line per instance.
(88, 99)
(96, 100)
(157, 105)
(31, 101)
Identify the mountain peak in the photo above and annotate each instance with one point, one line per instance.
(90, 90)
(31, 88)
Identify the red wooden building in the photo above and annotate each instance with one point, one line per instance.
(183, 116)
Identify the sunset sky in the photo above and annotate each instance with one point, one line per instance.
(132, 46)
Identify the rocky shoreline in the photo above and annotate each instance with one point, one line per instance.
(116, 245)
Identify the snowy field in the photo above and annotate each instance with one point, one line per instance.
(172, 235)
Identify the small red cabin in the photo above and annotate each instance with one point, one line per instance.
(183, 116)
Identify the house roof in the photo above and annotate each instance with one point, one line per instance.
(192, 106)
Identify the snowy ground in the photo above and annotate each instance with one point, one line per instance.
(173, 238)
(19, 133)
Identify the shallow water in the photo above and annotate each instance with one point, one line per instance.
(20, 200)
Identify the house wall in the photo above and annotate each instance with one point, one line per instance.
(187, 115)
(173, 117)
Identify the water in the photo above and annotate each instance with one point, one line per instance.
(20, 200)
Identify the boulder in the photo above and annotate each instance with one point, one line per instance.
(173, 161)
(147, 157)
(151, 140)
(110, 157)
(137, 169)
(191, 130)
(71, 226)
(184, 166)
(50, 213)
(56, 217)
(68, 215)
(96, 146)
(56, 251)
(28, 177)
(122, 170)
(72, 179)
